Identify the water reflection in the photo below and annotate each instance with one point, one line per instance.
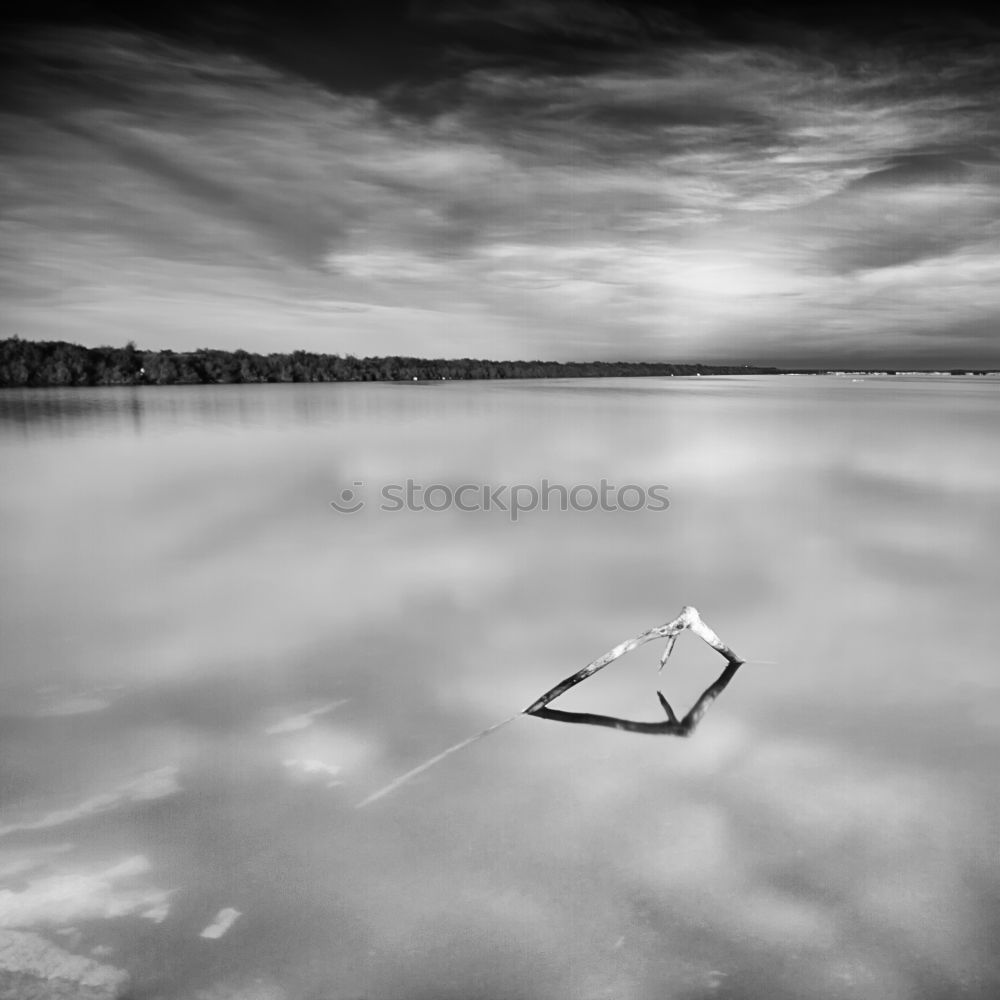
(672, 727)
(205, 668)
(60, 412)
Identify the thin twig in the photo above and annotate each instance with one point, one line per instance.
(403, 778)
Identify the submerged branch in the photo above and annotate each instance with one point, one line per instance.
(687, 619)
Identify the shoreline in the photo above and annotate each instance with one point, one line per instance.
(60, 364)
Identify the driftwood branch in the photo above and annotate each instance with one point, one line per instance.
(687, 619)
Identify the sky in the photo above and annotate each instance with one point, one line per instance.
(520, 179)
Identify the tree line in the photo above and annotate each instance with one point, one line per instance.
(54, 363)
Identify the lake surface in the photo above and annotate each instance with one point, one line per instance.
(206, 667)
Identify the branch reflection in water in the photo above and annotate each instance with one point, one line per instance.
(672, 727)
(687, 619)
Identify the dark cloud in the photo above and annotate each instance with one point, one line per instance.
(917, 168)
(363, 47)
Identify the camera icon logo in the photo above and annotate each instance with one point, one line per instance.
(350, 501)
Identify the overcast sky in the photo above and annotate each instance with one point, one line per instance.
(506, 179)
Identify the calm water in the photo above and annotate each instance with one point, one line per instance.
(205, 668)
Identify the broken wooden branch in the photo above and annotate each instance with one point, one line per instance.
(687, 619)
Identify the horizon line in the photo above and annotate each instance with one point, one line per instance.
(775, 368)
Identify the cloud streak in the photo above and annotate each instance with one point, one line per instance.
(148, 787)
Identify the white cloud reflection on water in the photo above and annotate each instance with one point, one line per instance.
(829, 832)
(73, 893)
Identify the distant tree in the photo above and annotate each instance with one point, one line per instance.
(31, 363)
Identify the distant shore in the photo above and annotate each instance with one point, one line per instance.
(39, 364)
